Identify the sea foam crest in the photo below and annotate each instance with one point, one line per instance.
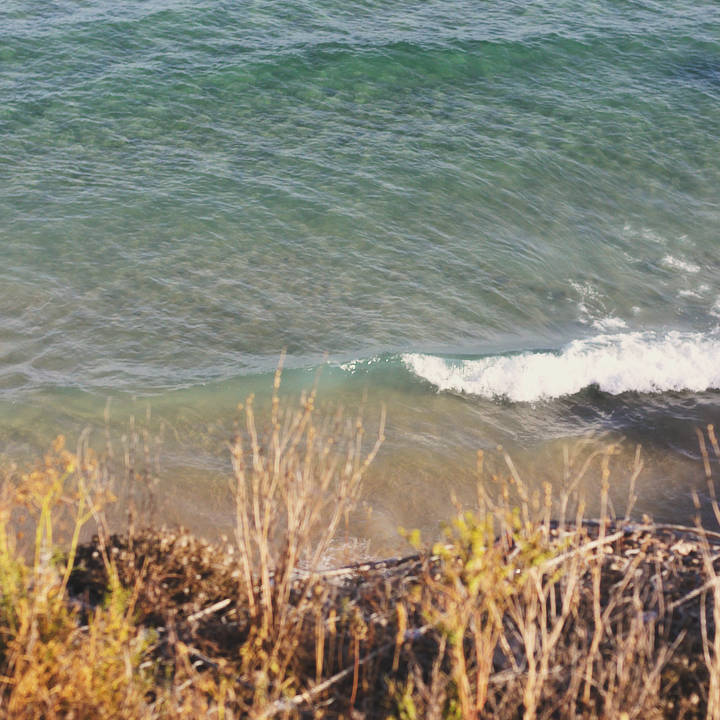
(644, 362)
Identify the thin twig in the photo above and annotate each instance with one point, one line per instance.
(286, 705)
(209, 610)
(691, 595)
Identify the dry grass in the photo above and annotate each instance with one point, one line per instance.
(524, 610)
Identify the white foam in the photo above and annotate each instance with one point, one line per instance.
(645, 362)
(689, 293)
(609, 323)
(590, 304)
(677, 264)
(353, 366)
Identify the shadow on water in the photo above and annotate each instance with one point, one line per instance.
(664, 421)
(700, 70)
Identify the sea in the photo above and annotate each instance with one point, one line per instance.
(498, 220)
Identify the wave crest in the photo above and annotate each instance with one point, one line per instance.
(645, 362)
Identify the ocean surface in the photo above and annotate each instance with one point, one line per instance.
(499, 219)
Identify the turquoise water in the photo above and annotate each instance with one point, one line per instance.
(501, 219)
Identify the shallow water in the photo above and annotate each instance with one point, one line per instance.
(499, 219)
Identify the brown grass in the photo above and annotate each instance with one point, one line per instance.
(524, 610)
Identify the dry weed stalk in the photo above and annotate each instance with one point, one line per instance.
(292, 488)
(538, 619)
(710, 637)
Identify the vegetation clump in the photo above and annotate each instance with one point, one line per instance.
(517, 613)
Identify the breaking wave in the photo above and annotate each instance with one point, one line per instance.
(645, 362)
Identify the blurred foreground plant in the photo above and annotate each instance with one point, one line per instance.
(54, 665)
(535, 618)
(513, 615)
(292, 488)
